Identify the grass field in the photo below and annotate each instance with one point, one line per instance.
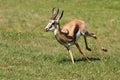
(29, 53)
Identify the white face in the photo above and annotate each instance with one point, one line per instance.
(50, 26)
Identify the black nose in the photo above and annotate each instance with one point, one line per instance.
(46, 29)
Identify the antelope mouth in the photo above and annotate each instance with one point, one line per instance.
(46, 30)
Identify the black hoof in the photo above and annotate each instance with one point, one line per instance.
(88, 49)
(104, 50)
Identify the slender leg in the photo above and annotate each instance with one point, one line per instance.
(77, 45)
(71, 55)
(94, 36)
(86, 44)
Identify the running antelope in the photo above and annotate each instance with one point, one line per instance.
(70, 33)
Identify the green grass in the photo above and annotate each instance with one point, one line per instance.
(29, 53)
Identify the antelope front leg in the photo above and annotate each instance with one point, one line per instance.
(71, 55)
(77, 45)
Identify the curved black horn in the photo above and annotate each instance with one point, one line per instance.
(54, 13)
(60, 15)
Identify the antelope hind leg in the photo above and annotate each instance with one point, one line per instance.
(77, 45)
(86, 44)
(98, 42)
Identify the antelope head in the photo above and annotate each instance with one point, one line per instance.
(53, 22)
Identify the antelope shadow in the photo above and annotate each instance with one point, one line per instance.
(79, 60)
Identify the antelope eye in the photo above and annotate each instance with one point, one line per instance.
(53, 23)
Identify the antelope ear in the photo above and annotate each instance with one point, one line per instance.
(59, 18)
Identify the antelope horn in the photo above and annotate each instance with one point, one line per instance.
(60, 15)
(54, 13)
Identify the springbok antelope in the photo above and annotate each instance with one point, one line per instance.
(70, 33)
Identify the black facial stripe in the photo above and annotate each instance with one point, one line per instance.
(53, 23)
(50, 27)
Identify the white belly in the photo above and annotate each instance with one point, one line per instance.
(77, 37)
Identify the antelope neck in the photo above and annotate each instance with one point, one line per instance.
(57, 30)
